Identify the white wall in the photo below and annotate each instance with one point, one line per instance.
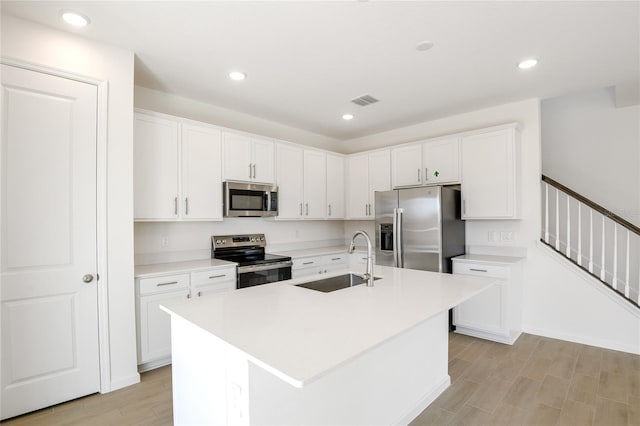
(593, 147)
(188, 108)
(39, 45)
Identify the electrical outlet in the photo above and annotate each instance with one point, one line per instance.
(164, 242)
(493, 236)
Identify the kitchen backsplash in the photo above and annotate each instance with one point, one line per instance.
(157, 242)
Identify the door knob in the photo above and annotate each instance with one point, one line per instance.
(87, 278)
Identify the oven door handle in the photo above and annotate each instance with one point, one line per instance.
(256, 268)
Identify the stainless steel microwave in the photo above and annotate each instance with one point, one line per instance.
(243, 199)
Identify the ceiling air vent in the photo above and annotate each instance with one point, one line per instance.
(364, 100)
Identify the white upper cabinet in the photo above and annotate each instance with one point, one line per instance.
(426, 163)
(155, 172)
(490, 174)
(441, 161)
(176, 170)
(406, 165)
(289, 175)
(366, 173)
(335, 187)
(302, 183)
(315, 184)
(201, 173)
(247, 158)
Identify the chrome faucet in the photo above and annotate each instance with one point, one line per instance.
(369, 273)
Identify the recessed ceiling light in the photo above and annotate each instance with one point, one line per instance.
(237, 75)
(74, 18)
(528, 63)
(424, 45)
(348, 117)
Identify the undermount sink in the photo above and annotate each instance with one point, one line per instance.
(327, 285)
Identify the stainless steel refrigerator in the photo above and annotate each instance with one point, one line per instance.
(419, 228)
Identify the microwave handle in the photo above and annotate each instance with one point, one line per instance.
(267, 197)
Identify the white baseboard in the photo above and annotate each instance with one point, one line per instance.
(425, 401)
(124, 382)
(585, 340)
(507, 340)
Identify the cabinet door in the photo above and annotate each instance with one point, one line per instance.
(263, 161)
(489, 176)
(201, 173)
(358, 187)
(485, 311)
(155, 176)
(236, 157)
(155, 326)
(335, 187)
(441, 161)
(379, 176)
(406, 166)
(315, 184)
(289, 173)
(213, 289)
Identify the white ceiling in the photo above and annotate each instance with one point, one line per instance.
(306, 60)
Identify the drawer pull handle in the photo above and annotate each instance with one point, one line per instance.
(336, 258)
(171, 283)
(478, 270)
(308, 263)
(216, 276)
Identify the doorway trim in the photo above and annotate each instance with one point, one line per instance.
(102, 86)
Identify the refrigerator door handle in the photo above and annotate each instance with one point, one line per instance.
(398, 234)
(395, 237)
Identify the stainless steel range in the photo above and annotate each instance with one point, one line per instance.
(255, 267)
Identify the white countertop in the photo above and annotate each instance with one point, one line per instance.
(148, 271)
(486, 259)
(300, 334)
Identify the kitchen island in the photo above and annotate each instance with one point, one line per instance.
(282, 354)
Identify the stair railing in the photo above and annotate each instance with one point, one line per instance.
(594, 238)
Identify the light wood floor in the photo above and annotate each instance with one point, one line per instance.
(537, 381)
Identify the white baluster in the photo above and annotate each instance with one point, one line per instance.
(568, 227)
(615, 257)
(579, 234)
(557, 220)
(546, 213)
(591, 240)
(602, 272)
(627, 260)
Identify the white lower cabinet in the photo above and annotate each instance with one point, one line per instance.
(496, 313)
(154, 325)
(314, 265)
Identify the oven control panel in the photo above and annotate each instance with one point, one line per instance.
(229, 241)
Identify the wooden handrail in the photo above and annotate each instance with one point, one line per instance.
(630, 226)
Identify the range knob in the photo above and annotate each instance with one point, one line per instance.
(218, 241)
(261, 238)
(253, 240)
(224, 241)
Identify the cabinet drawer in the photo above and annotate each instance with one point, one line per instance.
(203, 289)
(163, 284)
(213, 276)
(481, 270)
(307, 262)
(335, 259)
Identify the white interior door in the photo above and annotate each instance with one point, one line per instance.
(49, 314)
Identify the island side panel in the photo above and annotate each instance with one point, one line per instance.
(199, 375)
(391, 384)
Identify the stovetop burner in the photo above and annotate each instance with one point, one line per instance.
(243, 249)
